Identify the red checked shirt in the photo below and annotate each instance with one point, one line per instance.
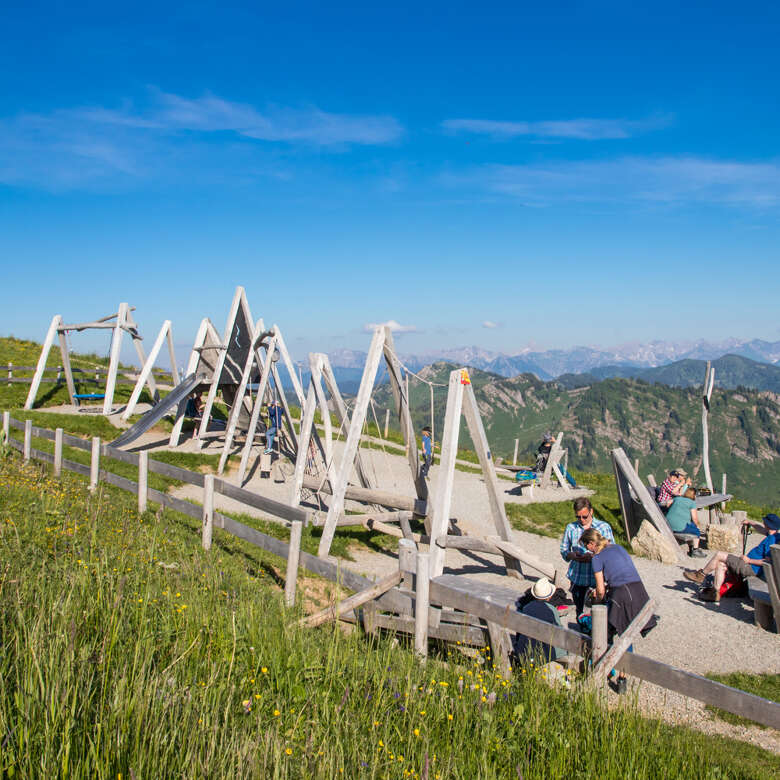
(667, 492)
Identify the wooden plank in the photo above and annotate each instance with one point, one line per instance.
(77, 442)
(41, 455)
(472, 636)
(495, 498)
(620, 459)
(516, 552)
(772, 574)
(113, 453)
(121, 482)
(113, 361)
(353, 602)
(176, 472)
(264, 504)
(401, 398)
(304, 437)
(442, 503)
(42, 433)
(608, 660)
(177, 504)
(42, 358)
(371, 496)
(336, 507)
(341, 412)
(65, 357)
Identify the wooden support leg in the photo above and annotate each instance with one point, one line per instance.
(143, 480)
(6, 426)
(208, 511)
(421, 605)
(500, 646)
(625, 640)
(58, 452)
(293, 556)
(27, 440)
(94, 465)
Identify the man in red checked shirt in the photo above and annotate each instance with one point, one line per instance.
(672, 486)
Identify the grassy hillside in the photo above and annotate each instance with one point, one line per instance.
(128, 651)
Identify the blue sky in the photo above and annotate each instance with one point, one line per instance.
(585, 174)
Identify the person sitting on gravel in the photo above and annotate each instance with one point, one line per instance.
(618, 582)
(684, 519)
(580, 572)
(540, 608)
(743, 566)
(674, 485)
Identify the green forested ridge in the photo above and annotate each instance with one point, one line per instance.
(658, 424)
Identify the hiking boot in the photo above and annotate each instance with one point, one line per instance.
(697, 553)
(621, 686)
(709, 594)
(694, 576)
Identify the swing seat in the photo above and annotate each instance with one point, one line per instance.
(88, 397)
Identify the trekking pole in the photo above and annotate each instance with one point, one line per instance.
(745, 534)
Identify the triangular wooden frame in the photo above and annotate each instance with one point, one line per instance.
(382, 345)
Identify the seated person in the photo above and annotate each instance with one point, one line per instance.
(194, 406)
(743, 566)
(674, 485)
(541, 609)
(544, 451)
(684, 519)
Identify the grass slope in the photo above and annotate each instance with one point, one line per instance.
(128, 651)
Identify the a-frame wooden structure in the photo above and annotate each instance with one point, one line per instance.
(120, 323)
(382, 346)
(553, 466)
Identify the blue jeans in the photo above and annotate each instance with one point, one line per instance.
(270, 435)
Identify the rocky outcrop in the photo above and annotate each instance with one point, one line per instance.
(650, 544)
(724, 537)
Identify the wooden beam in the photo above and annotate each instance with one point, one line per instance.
(495, 499)
(113, 362)
(42, 358)
(368, 594)
(371, 496)
(442, 503)
(192, 366)
(624, 641)
(146, 371)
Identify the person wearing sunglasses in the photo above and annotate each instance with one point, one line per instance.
(580, 571)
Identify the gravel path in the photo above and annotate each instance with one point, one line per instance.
(692, 635)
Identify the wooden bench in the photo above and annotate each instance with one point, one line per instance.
(762, 601)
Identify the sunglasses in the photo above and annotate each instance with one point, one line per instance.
(583, 517)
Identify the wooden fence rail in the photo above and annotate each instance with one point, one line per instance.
(448, 590)
(90, 375)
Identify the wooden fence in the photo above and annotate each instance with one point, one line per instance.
(456, 599)
(80, 375)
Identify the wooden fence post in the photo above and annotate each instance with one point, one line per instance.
(208, 510)
(293, 556)
(387, 421)
(94, 464)
(514, 457)
(58, 452)
(10, 372)
(143, 480)
(723, 505)
(27, 439)
(598, 614)
(421, 604)
(6, 426)
(407, 562)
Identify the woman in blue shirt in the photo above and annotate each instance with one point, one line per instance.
(618, 581)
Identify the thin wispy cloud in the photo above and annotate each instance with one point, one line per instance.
(490, 324)
(558, 129)
(394, 326)
(665, 180)
(83, 146)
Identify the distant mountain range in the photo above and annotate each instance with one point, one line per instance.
(553, 363)
(731, 372)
